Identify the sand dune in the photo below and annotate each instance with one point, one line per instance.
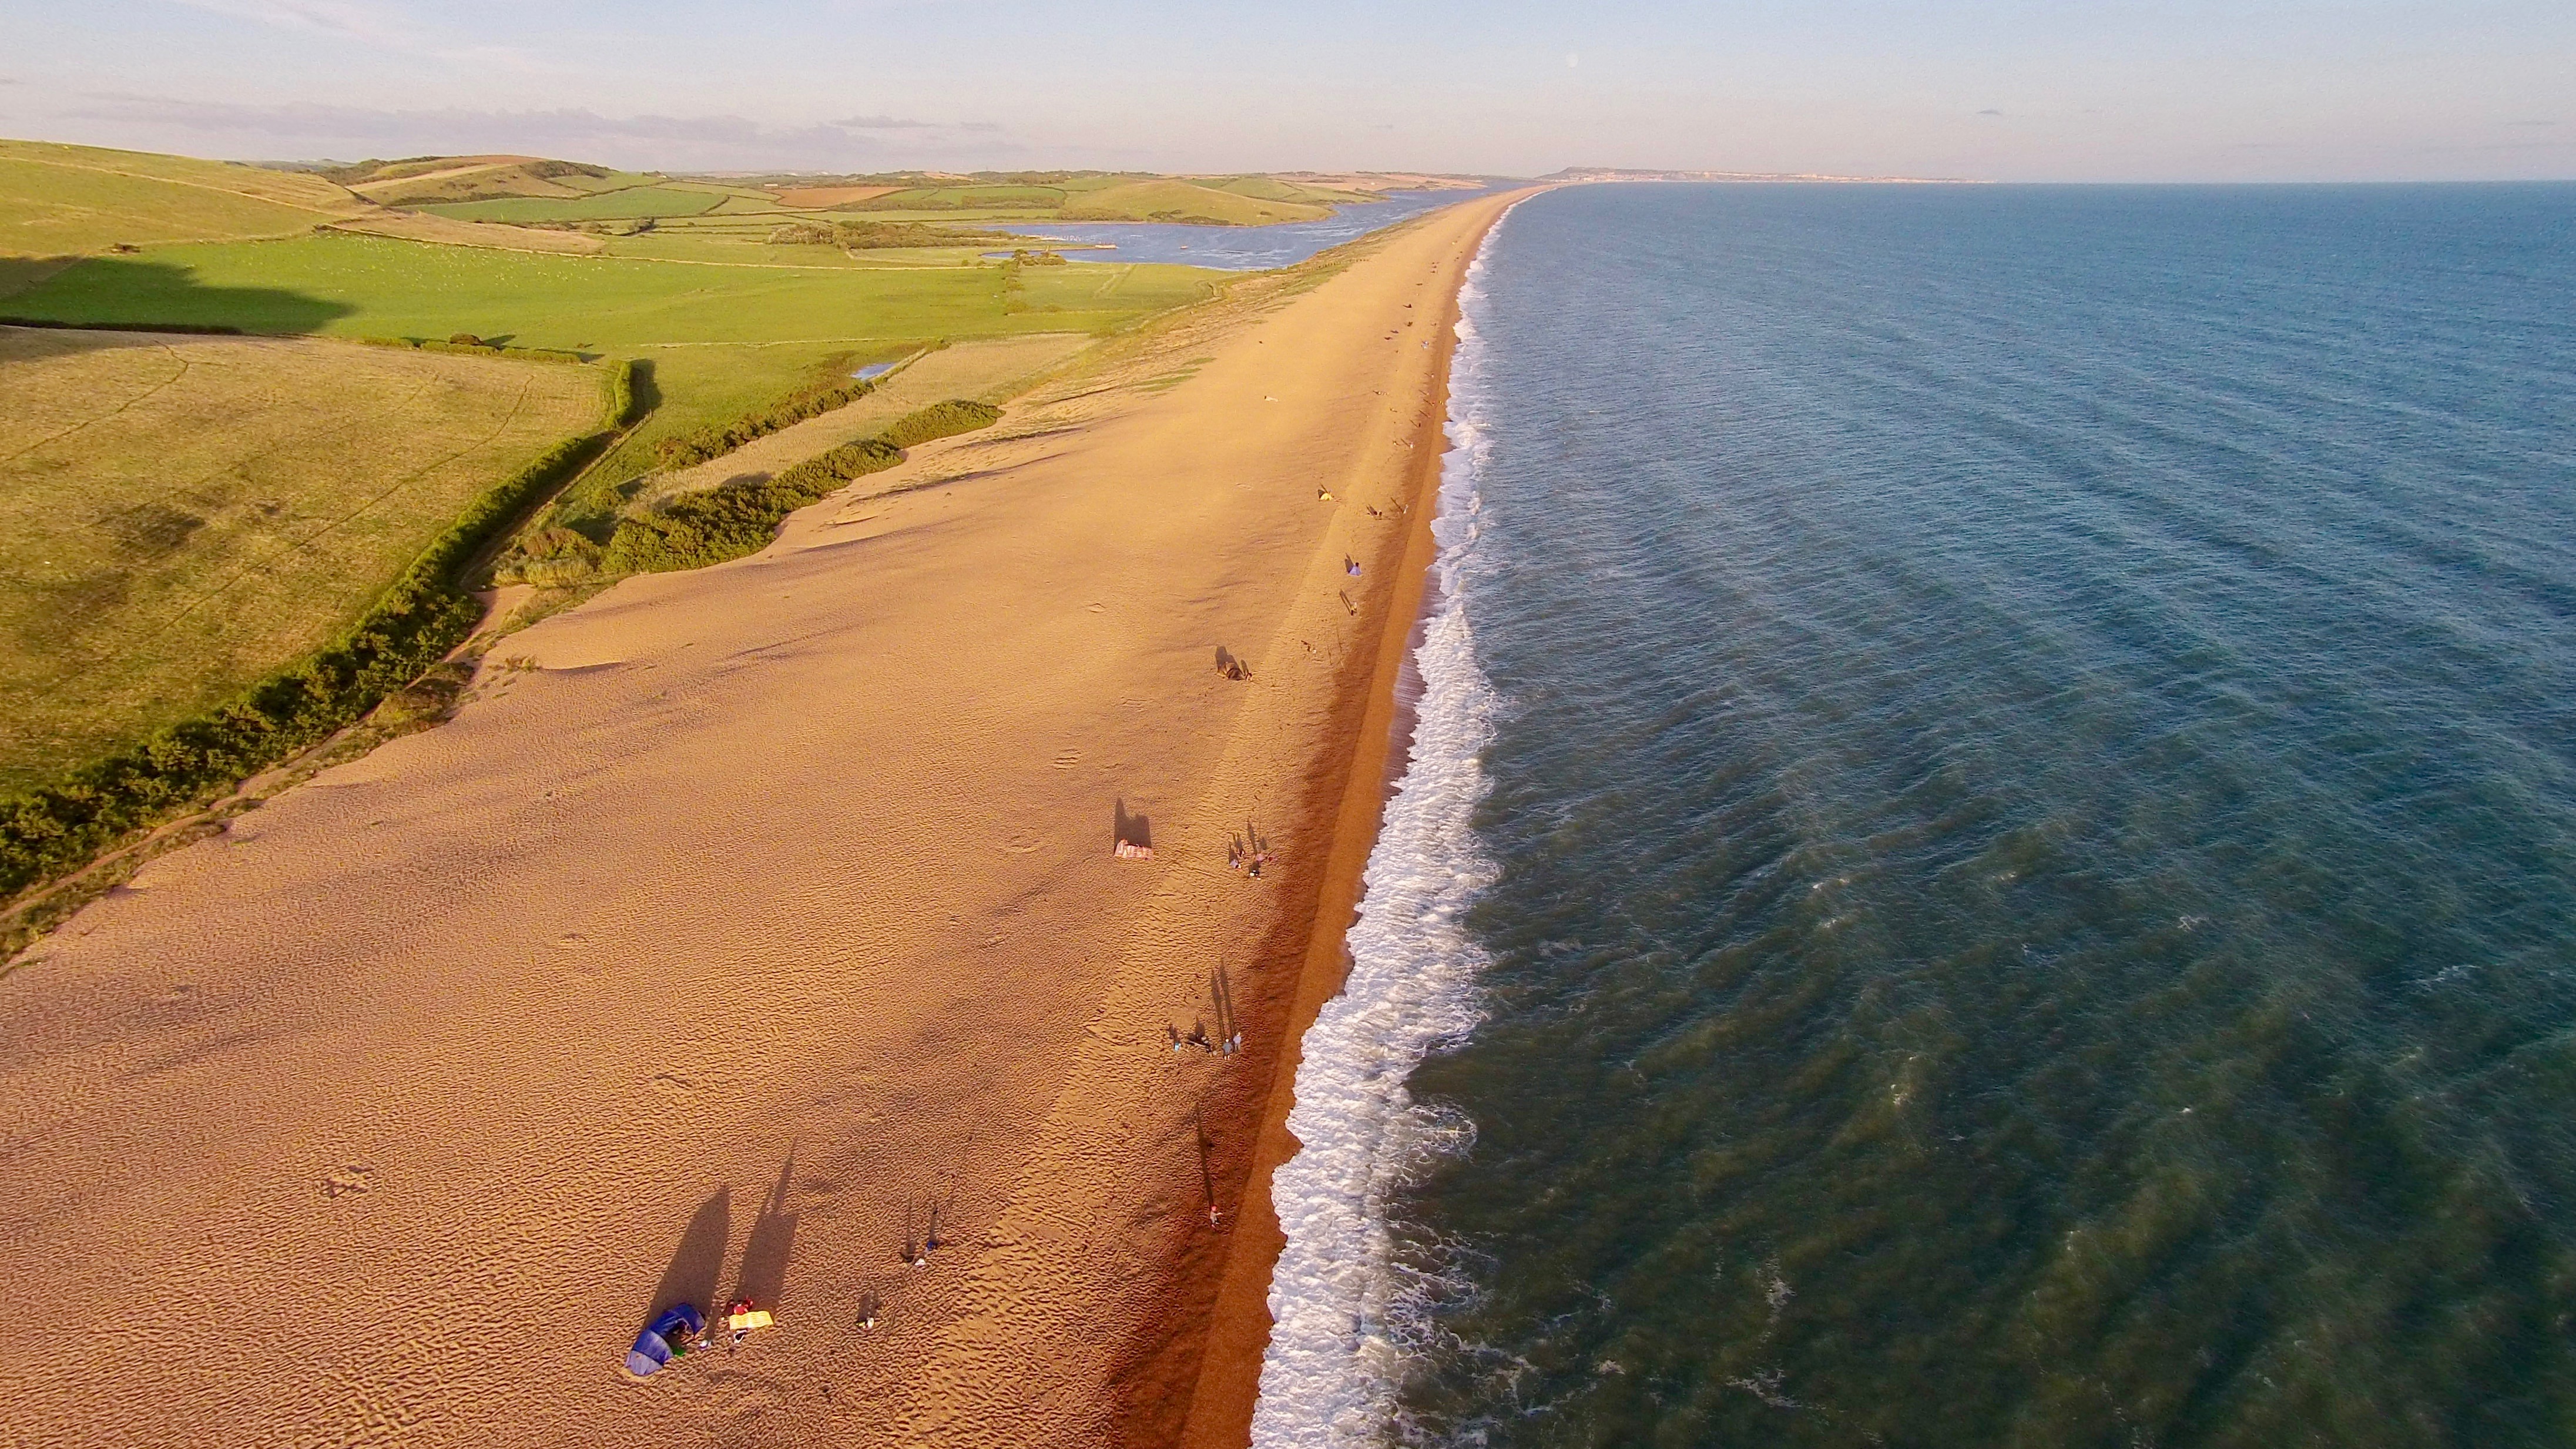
(742, 916)
(987, 369)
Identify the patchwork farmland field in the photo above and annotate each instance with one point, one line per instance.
(639, 201)
(354, 286)
(179, 515)
(721, 337)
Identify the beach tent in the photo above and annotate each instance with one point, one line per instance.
(654, 1346)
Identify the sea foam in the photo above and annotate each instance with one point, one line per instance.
(1340, 1302)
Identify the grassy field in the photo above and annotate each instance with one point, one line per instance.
(373, 286)
(179, 515)
(625, 205)
(721, 338)
(60, 201)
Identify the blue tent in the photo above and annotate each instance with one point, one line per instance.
(653, 1347)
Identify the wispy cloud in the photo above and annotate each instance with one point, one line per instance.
(898, 123)
(661, 142)
(379, 26)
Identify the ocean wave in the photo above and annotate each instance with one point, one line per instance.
(1342, 1305)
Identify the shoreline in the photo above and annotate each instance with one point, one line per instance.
(742, 916)
(1228, 1383)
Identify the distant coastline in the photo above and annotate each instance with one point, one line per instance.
(1578, 174)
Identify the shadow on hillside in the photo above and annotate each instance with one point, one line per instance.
(17, 274)
(133, 293)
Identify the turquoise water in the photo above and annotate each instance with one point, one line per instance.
(1993, 858)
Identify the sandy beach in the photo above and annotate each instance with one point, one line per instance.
(744, 918)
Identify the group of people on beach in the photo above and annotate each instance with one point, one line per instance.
(1248, 856)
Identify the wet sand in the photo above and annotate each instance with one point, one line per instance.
(743, 916)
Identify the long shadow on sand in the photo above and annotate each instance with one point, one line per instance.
(773, 1240)
(691, 1278)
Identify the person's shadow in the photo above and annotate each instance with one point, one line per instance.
(697, 1264)
(1133, 829)
(763, 1276)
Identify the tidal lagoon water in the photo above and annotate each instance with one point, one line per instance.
(1991, 853)
(1240, 248)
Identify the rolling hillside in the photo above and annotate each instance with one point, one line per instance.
(60, 201)
(422, 179)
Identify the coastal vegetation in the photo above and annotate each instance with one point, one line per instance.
(183, 515)
(195, 633)
(741, 515)
(830, 388)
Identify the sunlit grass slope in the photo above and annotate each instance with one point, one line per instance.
(180, 515)
(360, 286)
(72, 200)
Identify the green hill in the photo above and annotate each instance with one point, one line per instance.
(1171, 200)
(59, 201)
(1057, 196)
(417, 180)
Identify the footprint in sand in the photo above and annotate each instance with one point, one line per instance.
(347, 1181)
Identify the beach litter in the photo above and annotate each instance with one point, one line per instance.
(746, 1318)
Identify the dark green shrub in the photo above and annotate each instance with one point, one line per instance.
(940, 420)
(622, 410)
(833, 389)
(192, 329)
(741, 516)
(476, 349)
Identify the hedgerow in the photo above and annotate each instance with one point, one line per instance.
(465, 344)
(189, 329)
(621, 393)
(875, 235)
(812, 401)
(940, 420)
(741, 516)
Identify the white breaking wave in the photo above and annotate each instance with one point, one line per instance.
(1338, 1298)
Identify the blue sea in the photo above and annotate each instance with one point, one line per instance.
(1989, 854)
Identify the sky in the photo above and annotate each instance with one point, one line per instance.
(2004, 90)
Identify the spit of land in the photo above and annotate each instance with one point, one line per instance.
(745, 916)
